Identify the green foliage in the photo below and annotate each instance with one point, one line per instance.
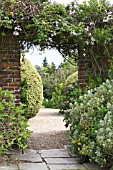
(91, 124)
(13, 11)
(55, 76)
(65, 93)
(95, 81)
(53, 67)
(49, 81)
(45, 63)
(64, 96)
(12, 124)
(77, 30)
(31, 89)
(69, 93)
(83, 29)
(57, 98)
(72, 78)
(48, 103)
(110, 71)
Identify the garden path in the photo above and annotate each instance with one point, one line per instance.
(47, 147)
(49, 131)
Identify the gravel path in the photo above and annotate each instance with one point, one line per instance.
(48, 129)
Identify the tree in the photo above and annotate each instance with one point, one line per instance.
(53, 66)
(45, 63)
(39, 69)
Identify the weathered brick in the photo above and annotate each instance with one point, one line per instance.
(10, 65)
(84, 64)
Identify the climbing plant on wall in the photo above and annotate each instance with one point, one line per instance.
(74, 30)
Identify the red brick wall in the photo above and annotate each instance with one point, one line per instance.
(100, 69)
(82, 72)
(10, 65)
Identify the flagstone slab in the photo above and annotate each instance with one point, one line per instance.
(60, 160)
(33, 166)
(31, 157)
(92, 166)
(14, 152)
(29, 151)
(55, 153)
(65, 166)
(9, 167)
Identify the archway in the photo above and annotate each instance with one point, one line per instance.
(53, 26)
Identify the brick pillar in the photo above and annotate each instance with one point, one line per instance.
(10, 65)
(82, 72)
(100, 69)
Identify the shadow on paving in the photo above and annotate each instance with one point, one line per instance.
(49, 140)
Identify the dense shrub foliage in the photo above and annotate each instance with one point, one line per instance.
(57, 96)
(48, 103)
(66, 93)
(12, 124)
(72, 78)
(54, 81)
(91, 124)
(31, 89)
(55, 76)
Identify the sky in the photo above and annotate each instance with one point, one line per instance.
(36, 58)
(34, 55)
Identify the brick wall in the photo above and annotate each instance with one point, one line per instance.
(100, 69)
(10, 65)
(82, 71)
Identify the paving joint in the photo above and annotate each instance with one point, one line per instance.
(54, 159)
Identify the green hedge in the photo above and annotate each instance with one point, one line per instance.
(31, 89)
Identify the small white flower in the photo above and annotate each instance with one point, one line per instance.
(108, 129)
(18, 28)
(91, 23)
(109, 140)
(101, 123)
(110, 134)
(15, 33)
(108, 105)
(107, 81)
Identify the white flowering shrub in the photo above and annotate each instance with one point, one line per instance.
(91, 124)
(105, 132)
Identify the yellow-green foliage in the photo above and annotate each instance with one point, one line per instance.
(31, 89)
(72, 78)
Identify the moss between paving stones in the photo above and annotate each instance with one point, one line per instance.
(31, 89)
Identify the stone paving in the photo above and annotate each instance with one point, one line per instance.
(54, 159)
